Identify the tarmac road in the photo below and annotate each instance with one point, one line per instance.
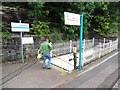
(100, 75)
(104, 75)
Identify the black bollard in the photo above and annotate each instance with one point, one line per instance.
(74, 56)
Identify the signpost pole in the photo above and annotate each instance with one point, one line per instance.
(21, 27)
(80, 42)
(21, 45)
(76, 19)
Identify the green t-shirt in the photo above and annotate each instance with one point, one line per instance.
(45, 48)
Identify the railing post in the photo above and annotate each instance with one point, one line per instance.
(74, 56)
(93, 41)
(110, 46)
(83, 53)
(70, 46)
(84, 43)
(100, 50)
(117, 43)
(104, 43)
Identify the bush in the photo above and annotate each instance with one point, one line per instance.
(5, 31)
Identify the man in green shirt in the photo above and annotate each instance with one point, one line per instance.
(45, 49)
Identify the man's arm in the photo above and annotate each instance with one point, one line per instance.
(50, 46)
(41, 49)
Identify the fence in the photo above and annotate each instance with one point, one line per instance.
(66, 47)
(92, 50)
(99, 50)
(11, 49)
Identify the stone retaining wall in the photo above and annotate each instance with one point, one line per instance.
(11, 49)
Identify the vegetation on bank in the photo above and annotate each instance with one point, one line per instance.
(47, 18)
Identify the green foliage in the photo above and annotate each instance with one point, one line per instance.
(70, 32)
(100, 20)
(96, 17)
(36, 10)
(5, 32)
(100, 17)
(55, 35)
(114, 16)
(15, 4)
(40, 28)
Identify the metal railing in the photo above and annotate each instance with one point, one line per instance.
(100, 50)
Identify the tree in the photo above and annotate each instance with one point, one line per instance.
(36, 10)
(100, 20)
(113, 9)
(40, 29)
(5, 30)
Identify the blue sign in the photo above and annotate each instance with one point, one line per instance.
(20, 27)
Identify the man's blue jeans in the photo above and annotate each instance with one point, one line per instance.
(47, 56)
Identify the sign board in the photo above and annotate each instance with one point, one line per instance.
(72, 19)
(20, 27)
(27, 40)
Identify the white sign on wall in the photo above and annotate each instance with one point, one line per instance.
(20, 27)
(72, 19)
(27, 40)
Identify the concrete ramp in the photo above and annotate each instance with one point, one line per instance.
(65, 63)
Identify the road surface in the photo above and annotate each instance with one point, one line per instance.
(102, 74)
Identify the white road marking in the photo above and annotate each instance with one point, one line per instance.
(97, 64)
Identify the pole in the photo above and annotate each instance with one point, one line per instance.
(100, 45)
(104, 43)
(80, 45)
(70, 45)
(74, 56)
(93, 42)
(21, 45)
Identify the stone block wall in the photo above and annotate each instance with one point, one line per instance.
(11, 49)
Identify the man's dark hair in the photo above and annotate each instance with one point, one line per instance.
(46, 38)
